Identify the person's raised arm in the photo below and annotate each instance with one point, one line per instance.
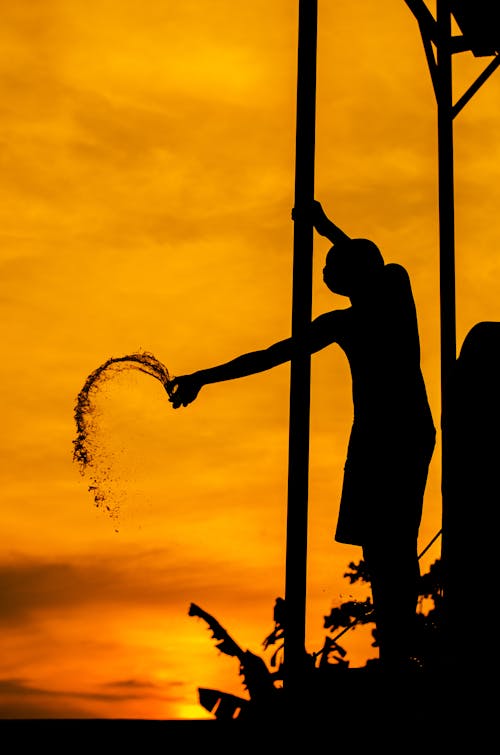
(322, 223)
(184, 389)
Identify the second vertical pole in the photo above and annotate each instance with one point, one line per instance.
(447, 277)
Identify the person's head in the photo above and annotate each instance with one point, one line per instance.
(351, 264)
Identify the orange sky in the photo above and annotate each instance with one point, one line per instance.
(146, 189)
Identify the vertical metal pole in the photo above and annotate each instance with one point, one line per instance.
(447, 268)
(300, 377)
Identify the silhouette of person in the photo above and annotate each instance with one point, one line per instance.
(392, 436)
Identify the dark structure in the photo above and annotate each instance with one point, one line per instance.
(480, 35)
(474, 494)
(478, 22)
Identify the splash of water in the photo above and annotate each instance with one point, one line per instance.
(85, 453)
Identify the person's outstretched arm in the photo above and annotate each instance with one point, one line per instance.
(184, 389)
(323, 224)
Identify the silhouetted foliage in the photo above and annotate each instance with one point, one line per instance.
(349, 613)
(358, 572)
(264, 685)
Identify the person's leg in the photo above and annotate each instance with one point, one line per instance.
(394, 573)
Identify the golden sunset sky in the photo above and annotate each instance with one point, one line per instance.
(148, 158)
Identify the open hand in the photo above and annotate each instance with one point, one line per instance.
(183, 390)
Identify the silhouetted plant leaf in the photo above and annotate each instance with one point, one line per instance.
(359, 572)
